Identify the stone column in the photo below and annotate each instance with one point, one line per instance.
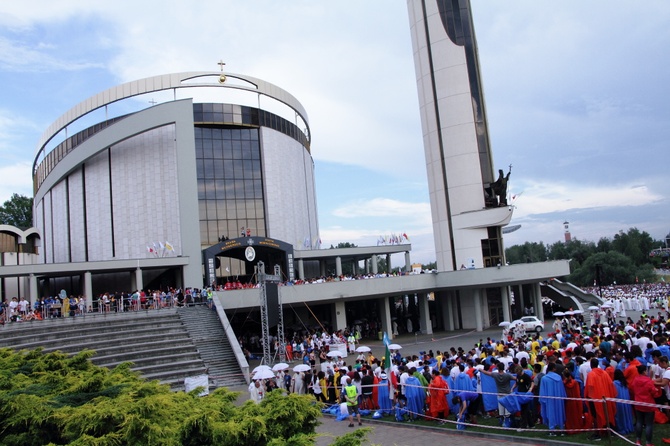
(388, 263)
(408, 263)
(340, 315)
(301, 269)
(32, 285)
(539, 310)
(139, 281)
(477, 294)
(504, 293)
(447, 313)
(374, 263)
(424, 315)
(338, 266)
(88, 288)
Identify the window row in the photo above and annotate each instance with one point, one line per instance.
(227, 149)
(228, 169)
(241, 134)
(211, 231)
(231, 209)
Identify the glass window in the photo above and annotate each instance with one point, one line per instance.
(210, 192)
(218, 168)
(209, 169)
(220, 189)
(246, 150)
(258, 189)
(248, 169)
(251, 209)
(221, 210)
(202, 210)
(199, 168)
(201, 190)
(211, 209)
(237, 149)
(239, 189)
(231, 210)
(241, 209)
(238, 168)
(227, 169)
(260, 211)
(230, 188)
(249, 189)
(227, 149)
(213, 233)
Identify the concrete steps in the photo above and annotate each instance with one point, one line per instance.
(168, 345)
(207, 332)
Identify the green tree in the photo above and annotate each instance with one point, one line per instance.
(614, 267)
(17, 211)
(55, 398)
(526, 253)
(635, 245)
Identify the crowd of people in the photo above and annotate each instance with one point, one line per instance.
(61, 305)
(597, 372)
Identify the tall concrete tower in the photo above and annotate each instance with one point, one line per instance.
(468, 203)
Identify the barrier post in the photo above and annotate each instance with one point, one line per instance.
(607, 419)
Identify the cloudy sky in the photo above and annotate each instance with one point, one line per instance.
(576, 96)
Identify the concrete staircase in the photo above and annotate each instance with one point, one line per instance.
(206, 330)
(157, 342)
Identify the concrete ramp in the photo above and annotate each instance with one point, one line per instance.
(567, 295)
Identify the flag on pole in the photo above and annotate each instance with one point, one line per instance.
(387, 353)
(169, 246)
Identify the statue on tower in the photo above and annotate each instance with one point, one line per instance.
(498, 188)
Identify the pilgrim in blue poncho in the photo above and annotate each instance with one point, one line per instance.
(383, 399)
(553, 408)
(416, 397)
(489, 391)
(624, 412)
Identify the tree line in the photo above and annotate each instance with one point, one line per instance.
(625, 258)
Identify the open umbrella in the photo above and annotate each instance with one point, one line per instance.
(606, 305)
(395, 346)
(363, 349)
(334, 354)
(559, 314)
(263, 374)
(301, 368)
(578, 311)
(593, 308)
(280, 366)
(504, 324)
(261, 367)
(569, 313)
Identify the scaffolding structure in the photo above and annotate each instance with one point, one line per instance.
(264, 279)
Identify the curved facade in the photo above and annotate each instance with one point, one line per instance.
(174, 178)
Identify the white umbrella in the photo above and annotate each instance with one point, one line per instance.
(280, 366)
(504, 324)
(363, 349)
(569, 313)
(578, 311)
(263, 374)
(593, 308)
(301, 368)
(606, 305)
(395, 347)
(261, 367)
(334, 354)
(559, 313)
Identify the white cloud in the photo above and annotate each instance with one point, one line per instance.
(383, 207)
(17, 179)
(544, 197)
